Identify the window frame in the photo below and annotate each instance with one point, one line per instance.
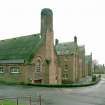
(65, 76)
(12, 70)
(38, 66)
(1, 70)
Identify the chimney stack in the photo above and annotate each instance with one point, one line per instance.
(46, 21)
(75, 39)
(56, 41)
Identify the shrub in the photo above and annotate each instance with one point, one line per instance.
(94, 78)
(99, 75)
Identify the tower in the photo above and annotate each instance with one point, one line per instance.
(46, 21)
(47, 34)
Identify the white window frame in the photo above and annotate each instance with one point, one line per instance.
(37, 67)
(1, 69)
(38, 70)
(15, 70)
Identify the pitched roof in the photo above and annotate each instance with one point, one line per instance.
(20, 48)
(65, 48)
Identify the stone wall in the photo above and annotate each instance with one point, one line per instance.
(66, 61)
(8, 76)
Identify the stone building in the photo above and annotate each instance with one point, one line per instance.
(31, 58)
(68, 60)
(71, 58)
(88, 64)
(82, 61)
(35, 59)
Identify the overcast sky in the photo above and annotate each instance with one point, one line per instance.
(83, 18)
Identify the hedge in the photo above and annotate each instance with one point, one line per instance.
(52, 85)
(65, 85)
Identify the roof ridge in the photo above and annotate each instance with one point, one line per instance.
(20, 37)
(20, 48)
(66, 42)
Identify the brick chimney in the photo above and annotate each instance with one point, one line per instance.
(46, 21)
(47, 34)
(75, 39)
(56, 41)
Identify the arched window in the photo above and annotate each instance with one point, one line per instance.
(38, 70)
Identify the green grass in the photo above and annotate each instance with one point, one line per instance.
(9, 102)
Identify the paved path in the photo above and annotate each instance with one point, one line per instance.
(93, 95)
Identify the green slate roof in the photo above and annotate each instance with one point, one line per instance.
(20, 48)
(65, 48)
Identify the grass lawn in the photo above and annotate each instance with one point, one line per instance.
(9, 102)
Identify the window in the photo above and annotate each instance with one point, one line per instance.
(65, 76)
(65, 72)
(37, 67)
(66, 68)
(1, 69)
(15, 70)
(38, 70)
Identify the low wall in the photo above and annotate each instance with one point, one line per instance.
(66, 85)
(54, 85)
